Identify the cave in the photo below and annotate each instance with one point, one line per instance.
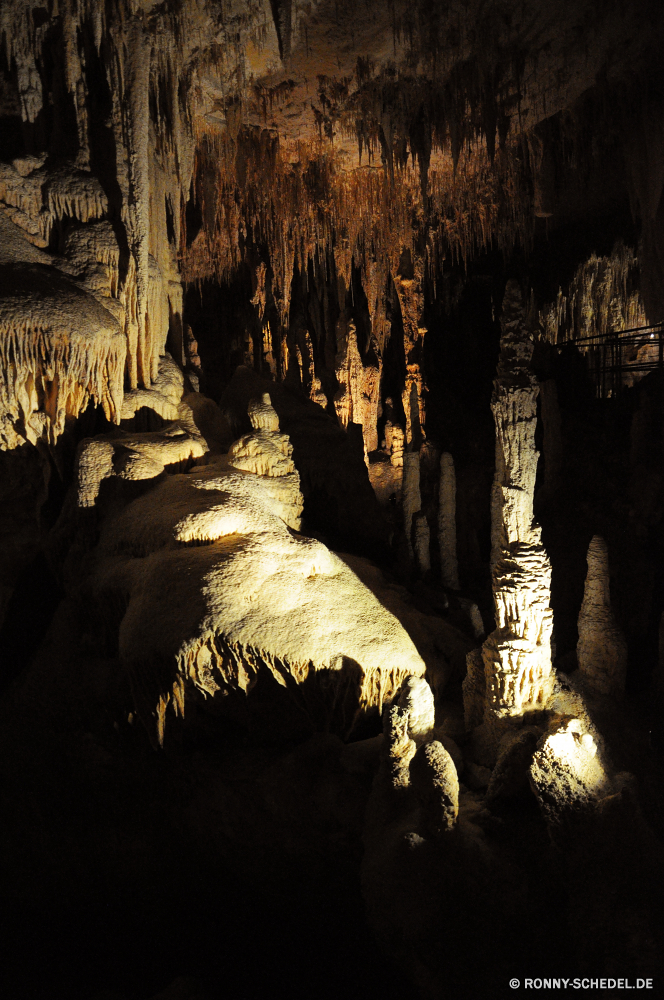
(332, 498)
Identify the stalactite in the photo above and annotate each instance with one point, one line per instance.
(603, 297)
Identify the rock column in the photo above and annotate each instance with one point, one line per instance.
(449, 567)
(601, 650)
(517, 655)
(412, 502)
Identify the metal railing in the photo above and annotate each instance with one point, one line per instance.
(613, 358)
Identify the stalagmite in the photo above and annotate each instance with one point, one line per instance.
(601, 649)
(421, 542)
(435, 780)
(266, 452)
(449, 568)
(517, 655)
(394, 443)
(398, 747)
(412, 502)
(567, 773)
(135, 456)
(357, 399)
(417, 697)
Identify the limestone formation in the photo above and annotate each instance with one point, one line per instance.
(421, 542)
(398, 747)
(435, 780)
(412, 502)
(394, 443)
(567, 773)
(449, 567)
(517, 655)
(163, 395)
(601, 650)
(358, 397)
(417, 697)
(135, 456)
(266, 452)
(219, 589)
(59, 347)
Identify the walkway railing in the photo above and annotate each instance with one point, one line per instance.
(614, 359)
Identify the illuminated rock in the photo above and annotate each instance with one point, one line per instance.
(449, 568)
(135, 456)
(220, 590)
(266, 452)
(357, 399)
(394, 444)
(436, 783)
(517, 655)
(601, 650)
(417, 697)
(398, 746)
(59, 348)
(567, 773)
(163, 395)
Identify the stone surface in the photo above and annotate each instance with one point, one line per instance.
(412, 502)
(449, 568)
(435, 780)
(417, 698)
(517, 655)
(601, 650)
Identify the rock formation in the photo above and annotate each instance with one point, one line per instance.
(421, 542)
(59, 347)
(601, 650)
(449, 568)
(517, 655)
(219, 589)
(412, 502)
(240, 243)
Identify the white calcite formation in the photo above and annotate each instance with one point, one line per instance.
(567, 773)
(219, 588)
(163, 396)
(359, 395)
(449, 567)
(417, 697)
(266, 452)
(59, 347)
(601, 650)
(517, 655)
(398, 746)
(135, 456)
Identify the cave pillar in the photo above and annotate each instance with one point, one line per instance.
(411, 299)
(517, 654)
(449, 567)
(412, 502)
(358, 396)
(601, 650)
